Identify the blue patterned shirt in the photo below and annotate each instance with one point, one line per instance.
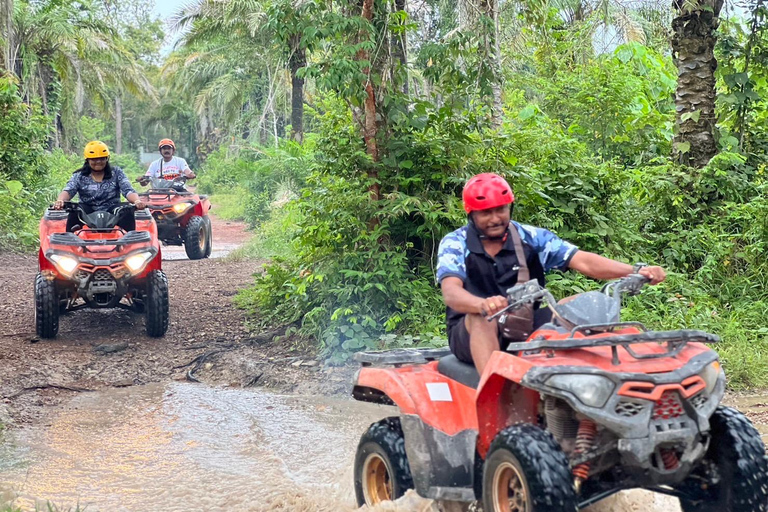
(553, 252)
(102, 195)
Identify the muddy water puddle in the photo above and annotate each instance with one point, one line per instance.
(186, 447)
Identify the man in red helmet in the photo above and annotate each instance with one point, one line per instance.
(478, 262)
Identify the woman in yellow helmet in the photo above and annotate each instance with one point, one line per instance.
(100, 185)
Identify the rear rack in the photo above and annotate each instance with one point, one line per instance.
(71, 239)
(400, 356)
(675, 340)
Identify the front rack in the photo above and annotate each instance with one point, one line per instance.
(71, 239)
(675, 340)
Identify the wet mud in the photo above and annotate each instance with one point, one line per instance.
(182, 447)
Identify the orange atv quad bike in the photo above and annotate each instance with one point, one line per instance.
(99, 265)
(586, 407)
(181, 216)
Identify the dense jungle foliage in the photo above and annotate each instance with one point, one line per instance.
(344, 137)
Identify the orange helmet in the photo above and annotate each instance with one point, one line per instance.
(96, 149)
(166, 142)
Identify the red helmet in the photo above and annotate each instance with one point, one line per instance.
(166, 142)
(486, 190)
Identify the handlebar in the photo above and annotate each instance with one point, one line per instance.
(531, 291)
(74, 206)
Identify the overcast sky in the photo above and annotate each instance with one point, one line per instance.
(165, 8)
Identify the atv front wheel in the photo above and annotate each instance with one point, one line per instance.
(156, 304)
(46, 307)
(737, 457)
(209, 237)
(382, 472)
(195, 238)
(527, 471)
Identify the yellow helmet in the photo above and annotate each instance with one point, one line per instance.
(96, 149)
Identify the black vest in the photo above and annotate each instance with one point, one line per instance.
(488, 276)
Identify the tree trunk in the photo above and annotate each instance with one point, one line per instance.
(489, 24)
(6, 33)
(369, 127)
(297, 60)
(118, 125)
(693, 44)
(401, 51)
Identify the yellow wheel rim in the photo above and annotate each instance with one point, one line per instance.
(201, 238)
(377, 482)
(510, 492)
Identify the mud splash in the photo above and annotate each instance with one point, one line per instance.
(181, 447)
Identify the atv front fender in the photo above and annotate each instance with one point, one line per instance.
(501, 400)
(202, 207)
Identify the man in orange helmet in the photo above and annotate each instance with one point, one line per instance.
(169, 166)
(478, 262)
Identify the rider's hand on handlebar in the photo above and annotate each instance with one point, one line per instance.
(58, 204)
(140, 205)
(491, 305)
(655, 274)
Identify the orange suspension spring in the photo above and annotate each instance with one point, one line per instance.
(585, 439)
(669, 458)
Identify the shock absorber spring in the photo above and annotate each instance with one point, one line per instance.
(669, 458)
(585, 439)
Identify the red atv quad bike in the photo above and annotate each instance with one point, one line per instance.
(99, 265)
(586, 407)
(181, 216)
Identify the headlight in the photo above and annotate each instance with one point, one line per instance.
(65, 264)
(138, 261)
(710, 374)
(592, 390)
(181, 207)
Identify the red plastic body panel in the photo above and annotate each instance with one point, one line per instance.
(102, 252)
(200, 206)
(407, 386)
(502, 400)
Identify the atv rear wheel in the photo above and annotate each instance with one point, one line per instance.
(156, 304)
(195, 238)
(46, 307)
(738, 454)
(382, 472)
(527, 471)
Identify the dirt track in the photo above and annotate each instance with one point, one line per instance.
(109, 348)
(99, 350)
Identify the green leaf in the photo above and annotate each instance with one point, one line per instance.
(14, 187)
(527, 113)
(695, 115)
(405, 164)
(683, 147)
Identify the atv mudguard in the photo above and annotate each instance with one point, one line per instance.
(202, 207)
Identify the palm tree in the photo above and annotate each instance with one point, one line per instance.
(6, 32)
(273, 30)
(60, 43)
(693, 43)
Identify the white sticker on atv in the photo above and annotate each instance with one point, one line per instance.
(439, 392)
